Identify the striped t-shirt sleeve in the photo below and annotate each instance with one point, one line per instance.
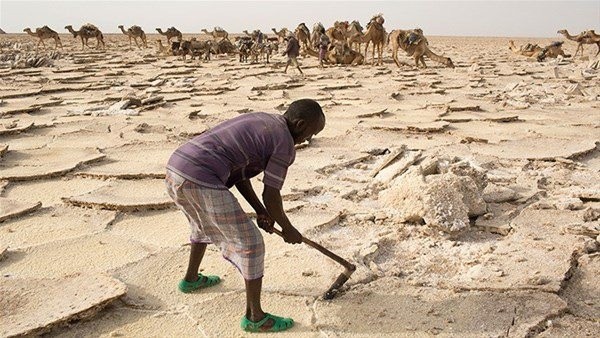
(276, 169)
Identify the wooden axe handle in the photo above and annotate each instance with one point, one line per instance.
(349, 266)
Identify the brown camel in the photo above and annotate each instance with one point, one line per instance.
(171, 32)
(303, 34)
(44, 33)
(355, 34)
(85, 32)
(217, 32)
(135, 32)
(375, 34)
(196, 48)
(340, 54)
(414, 43)
(317, 31)
(338, 31)
(527, 50)
(282, 34)
(162, 49)
(583, 38)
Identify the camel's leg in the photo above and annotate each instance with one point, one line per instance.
(373, 54)
(380, 52)
(579, 46)
(395, 55)
(136, 43)
(598, 52)
(82, 43)
(366, 51)
(422, 58)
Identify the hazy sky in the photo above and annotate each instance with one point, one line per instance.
(463, 18)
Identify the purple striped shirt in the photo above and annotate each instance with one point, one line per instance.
(237, 149)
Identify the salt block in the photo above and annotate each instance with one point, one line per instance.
(126, 195)
(10, 208)
(570, 326)
(386, 307)
(94, 253)
(542, 148)
(43, 163)
(132, 161)
(444, 200)
(498, 194)
(14, 128)
(53, 224)
(127, 322)
(582, 290)
(35, 306)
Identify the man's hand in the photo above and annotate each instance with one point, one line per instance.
(292, 236)
(265, 222)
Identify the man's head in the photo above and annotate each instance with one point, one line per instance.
(305, 119)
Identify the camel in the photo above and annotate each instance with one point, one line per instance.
(376, 34)
(317, 31)
(44, 33)
(355, 34)
(196, 48)
(340, 54)
(162, 49)
(224, 46)
(171, 32)
(414, 43)
(135, 32)
(527, 50)
(338, 31)
(85, 32)
(553, 50)
(217, 32)
(583, 38)
(282, 34)
(303, 34)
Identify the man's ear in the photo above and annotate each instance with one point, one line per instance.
(300, 125)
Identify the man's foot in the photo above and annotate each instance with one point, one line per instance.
(269, 323)
(202, 282)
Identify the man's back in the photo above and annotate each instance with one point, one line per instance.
(237, 149)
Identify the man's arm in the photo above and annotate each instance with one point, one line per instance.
(263, 219)
(245, 188)
(274, 205)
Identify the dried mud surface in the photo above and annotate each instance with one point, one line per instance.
(468, 198)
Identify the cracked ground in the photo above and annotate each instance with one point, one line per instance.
(91, 245)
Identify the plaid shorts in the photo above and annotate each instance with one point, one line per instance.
(215, 216)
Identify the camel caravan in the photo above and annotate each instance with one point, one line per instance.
(344, 43)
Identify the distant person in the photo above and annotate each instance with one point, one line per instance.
(199, 176)
(292, 51)
(323, 45)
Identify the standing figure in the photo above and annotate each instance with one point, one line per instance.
(292, 51)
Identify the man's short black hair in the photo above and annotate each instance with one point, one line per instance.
(305, 109)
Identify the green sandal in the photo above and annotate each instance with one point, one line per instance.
(279, 324)
(202, 282)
